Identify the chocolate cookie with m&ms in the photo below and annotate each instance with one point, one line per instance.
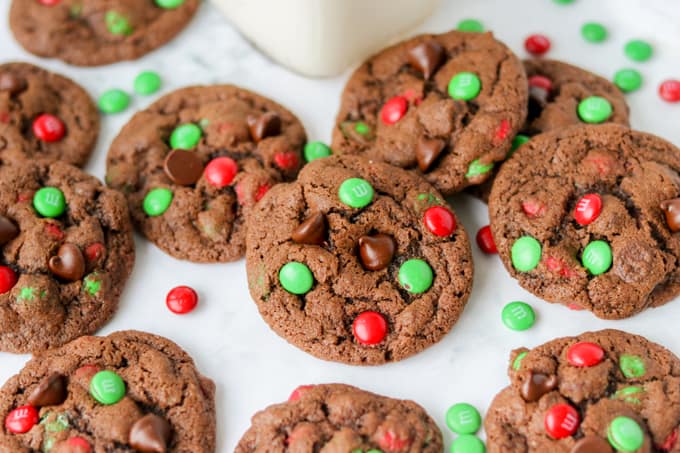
(588, 217)
(358, 262)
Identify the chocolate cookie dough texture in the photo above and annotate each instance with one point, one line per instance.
(358, 261)
(446, 106)
(600, 392)
(67, 251)
(196, 161)
(97, 32)
(130, 391)
(45, 115)
(588, 217)
(335, 417)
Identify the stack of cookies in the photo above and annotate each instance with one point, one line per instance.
(352, 252)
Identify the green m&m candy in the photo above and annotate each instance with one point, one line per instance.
(463, 418)
(113, 101)
(518, 316)
(594, 32)
(632, 366)
(626, 394)
(476, 168)
(597, 257)
(470, 25)
(525, 254)
(185, 136)
(564, 2)
(465, 86)
(362, 128)
(356, 192)
(107, 387)
(517, 363)
(169, 4)
(628, 79)
(147, 82)
(518, 141)
(296, 278)
(467, 443)
(49, 202)
(638, 50)
(625, 435)
(594, 110)
(415, 276)
(117, 24)
(157, 201)
(316, 150)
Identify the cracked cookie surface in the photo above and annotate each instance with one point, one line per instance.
(96, 32)
(397, 107)
(336, 417)
(361, 285)
(62, 273)
(28, 94)
(236, 146)
(577, 219)
(610, 379)
(159, 378)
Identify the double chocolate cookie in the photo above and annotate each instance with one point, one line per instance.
(445, 105)
(130, 391)
(589, 216)
(97, 32)
(599, 392)
(340, 418)
(358, 261)
(45, 115)
(196, 161)
(67, 250)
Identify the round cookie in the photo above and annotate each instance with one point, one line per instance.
(336, 417)
(67, 250)
(97, 32)
(445, 105)
(598, 392)
(358, 262)
(45, 115)
(579, 218)
(129, 391)
(195, 162)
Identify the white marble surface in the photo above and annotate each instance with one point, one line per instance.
(230, 343)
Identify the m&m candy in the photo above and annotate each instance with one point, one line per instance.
(585, 354)
(48, 128)
(8, 278)
(157, 201)
(632, 366)
(316, 150)
(597, 257)
(625, 435)
(587, 209)
(464, 86)
(485, 240)
(49, 202)
(463, 418)
(393, 110)
(518, 316)
(107, 387)
(537, 44)
(369, 328)
(594, 109)
(561, 421)
(356, 192)
(525, 254)
(669, 90)
(221, 171)
(114, 101)
(415, 276)
(440, 221)
(185, 136)
(296, 278)
(21, 419)
(147, 82)
(181, 300)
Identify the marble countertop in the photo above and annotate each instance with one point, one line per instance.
(251, 366)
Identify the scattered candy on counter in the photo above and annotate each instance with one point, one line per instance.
(470, 25)
(147, 82)
(463, 418)
(537, 44)
(669, 90)
(49, 202)
(518, 316)
(181, 300)
(468, 443)
(638, 50)
(465, 86)
(157, 201)
(415, 276)
(114, 101)
(594, 32)
(296, 278)
(107, 387)
(485, 240)
(370, 328)
(48, 128)
(628, 80)
(316, 150)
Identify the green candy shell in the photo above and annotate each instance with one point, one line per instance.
(468, 443)
(518, 316)
(463, 418)
(147, 82)
(107, 387)
(525, 254)
(185, 136)
(316, 150)
(356, 192)
(594, 110)
(625, 435)
(632, 366)
(597, 257)
(114, 101)
(49, 202)
(157, 201)
(465, 86)
(296, 278)
(416, 276)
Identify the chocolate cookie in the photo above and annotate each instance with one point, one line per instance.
(67, 250)
(97, 32)
(358, 261)
(195, 162)
(130, 391)
(599, 392)
(587, 217)
(45, 115)
(341, 418)
(445, 105)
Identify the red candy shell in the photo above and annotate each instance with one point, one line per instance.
(181, 300)
(369, 328)
(287, 160)
(537, 44)
(588, 209)
(440, 221)
(21, 419)
(394, 109)
(220, 172)
(485, 240)
(8, 278)
(669, 90)
(561, 421)
(392, 442)
(533, 208)
(79, 444)
(297, 393)
(502, 131)
(540, 81)
(48, 128)
(585, 354)
(50, 2)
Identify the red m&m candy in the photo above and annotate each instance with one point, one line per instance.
(394, 109)
(502, 131)
(585, 354)
(537, 44)
(48, 128)
(78, 444)
(287, 160)
(533, 208)
(21, 419)
(181, 300)
(392, 442)
(539, 81)
(588, 209)
(220, 172)
(561, 421)
(440, 221)
(485, 240)
(669, 90)
(369, 328)
(8, 278)
(297, 393)
(49, 2)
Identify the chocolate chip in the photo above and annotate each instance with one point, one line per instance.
(312, 231)
(537, 385)
(426, 57)
(376, 252)
(672, 210)
(8, 230)
(183, 167)
(150, 434)
(11, 83)
(427, 151)
(68, 263)
(591, 444)
(50, 392)
(264, 126)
